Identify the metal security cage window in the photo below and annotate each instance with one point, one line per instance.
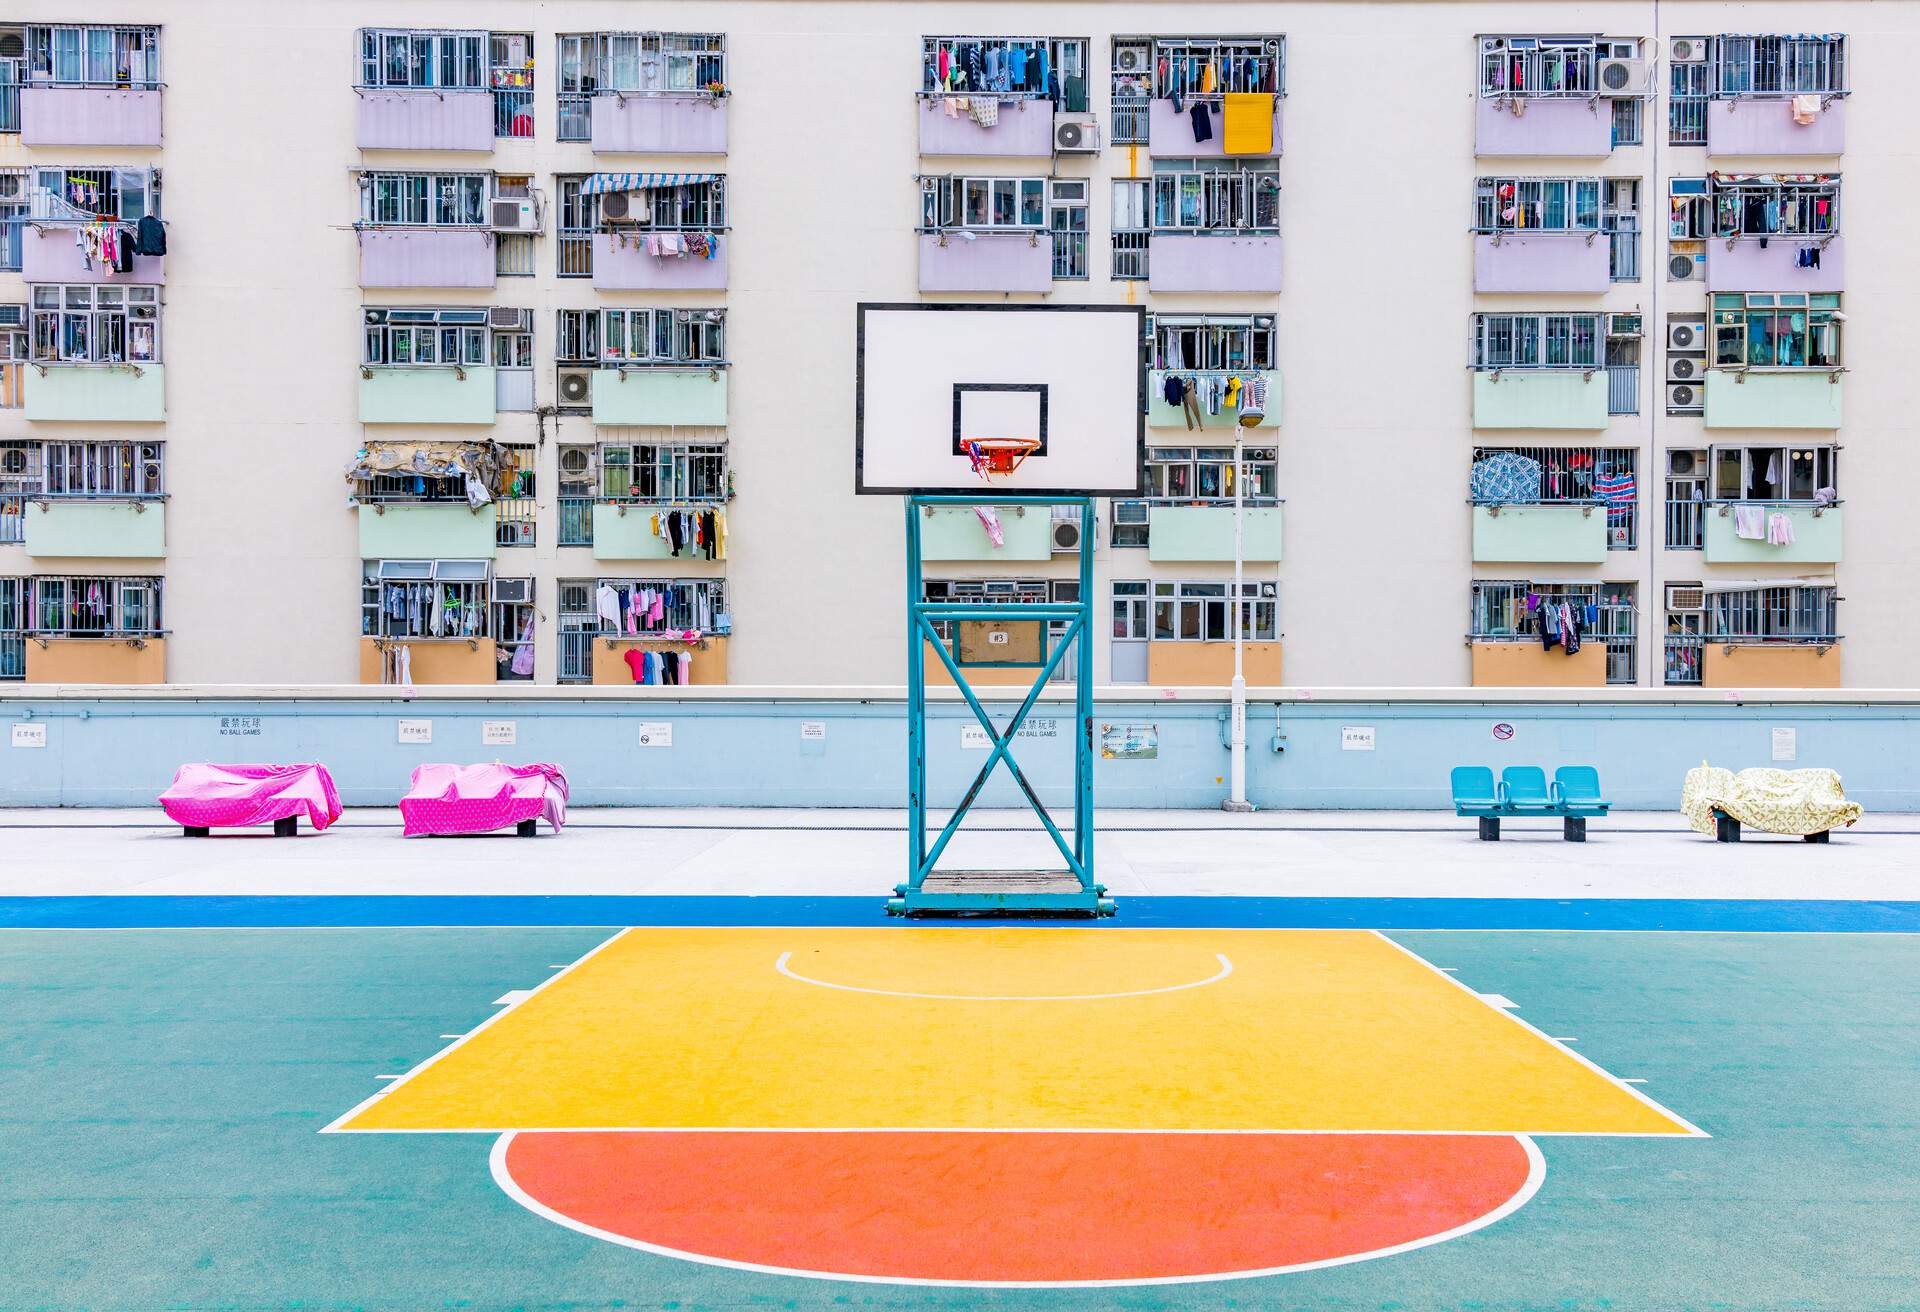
(1620, 220)
(93, 55)
(1202, 612)
(685, 605)
(579, 220)
(1686, 500)
(515, 510)
(575, 502)
(1601, 477)
(1516, 67)
(434, 200)
(1516, 204)
(1506, 610)
(1775, 472)
(1007, 67)
(1067, 219)
(80, 323)
(1774, 205)
(1132, 521)
(1186, 475)
(576, 622)
(1685, 643)
(664, 473)
(14, 195)
(104, 470)
(13, 623)
(92, 194)
(1132, 218)
(1130, 89)
(1209, 195)
(1761, 613)
(1212, 342)
(408, 338)
(698, 204)
(682, 64)
(983, 204)
(94, 606)
(511, 617)
(423, 57)
(1537, 341)
(1689, 77)
(1776, 330)
(654, 336)
(1208, 68)
(1778, 65)
(425, 599)
(988, 592)
(19, 484)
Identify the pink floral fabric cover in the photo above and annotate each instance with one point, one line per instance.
(208, 796)
(473, 799)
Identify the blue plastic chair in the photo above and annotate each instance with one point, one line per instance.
(1523, 791)
(1474, 792)
(1576, 791)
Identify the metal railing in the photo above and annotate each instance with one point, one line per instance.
(13, 657)
(1686, 520)
(1070, 254)
(1623, 257)
(1629, 122)
(576, 656)
(513, 522)
(13, 519)
(1130, 118)
(513, 113)
(576, 521)
(576, 118)
(1684, 656)
(1130, 255)
(9, 114)
(573, 253)
(1687, 120)
(513, 254)
(1623, 389)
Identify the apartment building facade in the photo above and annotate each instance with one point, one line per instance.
(516, 344)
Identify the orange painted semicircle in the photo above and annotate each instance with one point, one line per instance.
(1023, 1209)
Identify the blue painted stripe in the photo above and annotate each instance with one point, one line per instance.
(1741, 915)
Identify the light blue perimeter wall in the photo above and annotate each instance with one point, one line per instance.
(752, 752)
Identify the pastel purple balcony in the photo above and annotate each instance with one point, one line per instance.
(1541, 262)
(659, 125)
(621, 263)
(424, 119)
(426, 257)
(52, 254)
(1171, 134)
(89, 116)
(991, 262)
(1543, 126)
(1764, 125)
(1745, 267)
(1238, 262)
(1025, 127)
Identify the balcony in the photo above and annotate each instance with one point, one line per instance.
(1578, 262)
(1540, 398)
(1752, 398)
(426, 530)
(989, 262)
(426, 257)
(1540, 534)
(1765, 126)
(77, 527)
(956, 533)
(660, 397)
(94, 393)
(1187, 533)
(1210, 664)
(1769, 665)
(659, 125)
(1162, 415)
(1242, 262)
(404, 118)
(623, 530)
(426, 394)
(96, 660)
(610, 665)
(621, 263)
(89, 116)
(435, 660)
(1170, 134)
(1817, 536)
(1521, 663)
(1025, 129)
(1744, 266)
(48, 254)
(1543, 127)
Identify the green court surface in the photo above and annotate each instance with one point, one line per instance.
(164, 1093)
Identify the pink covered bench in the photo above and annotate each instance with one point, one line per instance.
(476, 799)
(204, 796)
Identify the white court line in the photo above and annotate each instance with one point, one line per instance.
(512, 996)
(1226, 969)
(1499, 1000)
(1632, 1081)
(1536, 1175)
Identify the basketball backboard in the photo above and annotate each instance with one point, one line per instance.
(1066, 383)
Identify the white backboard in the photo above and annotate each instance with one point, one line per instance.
(1072, 377)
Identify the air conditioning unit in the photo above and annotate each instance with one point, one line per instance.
(1623, 325)
(1130, 59)
(1686, 368)
(1684, 398)
(1621, 76)
(574, 463)
(1688, 50)
(1075, 134)
(13, 316)
(514, 590)
(576, 387)
(376, 316)
(515, 214)
(150, 466)
(12, 46)
(1685, 267)
(1685, 464)
(1066, 537)
(1686, 597)
(505, 318)
(616, 206)
(1686, 335)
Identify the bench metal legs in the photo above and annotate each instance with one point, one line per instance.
(287, 827)
(1489, 828)
(195, 831)
(1725, 828)
(1573, 828)
(1820, 837)
(526, 829)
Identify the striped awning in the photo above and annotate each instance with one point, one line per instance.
(597, 183)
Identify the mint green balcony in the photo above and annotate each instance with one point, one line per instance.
(1162, 415)
(1798, 398)
(625, 532)
(98, 393)
(1540, 398)
(956, 533)
(660, 396)
(1816, 537)
(426, 394)
(435, 530)
(1177, 533)
(61, 526)
(1548, 535)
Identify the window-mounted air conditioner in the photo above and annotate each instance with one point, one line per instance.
(575, 463)
(515, 214)
(1686, 398)
(506, 318)
(513, 590)
(1686, 335)
(376, 316)
(1623, 325)
(1688, 50)
(1129, 512)
(1686, 597)
(1075, 134)
(576, 388)
(1621, 76)
(13, 316)
(1684, 266)
(1066, 537)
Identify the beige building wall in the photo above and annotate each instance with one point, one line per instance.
(261, 325)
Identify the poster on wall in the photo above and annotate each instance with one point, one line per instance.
(1129, 742)
(1356, 738)
(1786, 744)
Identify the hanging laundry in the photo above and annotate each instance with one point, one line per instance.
(1202, 122)
(1780, 529)
(1249, 124)
(990, 521)
(1749, 522)
(1806, 109)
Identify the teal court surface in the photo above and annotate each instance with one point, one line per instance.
(408, 1099)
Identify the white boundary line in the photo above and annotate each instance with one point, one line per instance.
(1693, 1131)
(612, 927)
(1226, 969)
(1536, 1176)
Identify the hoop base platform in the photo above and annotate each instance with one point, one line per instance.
(1000, 893)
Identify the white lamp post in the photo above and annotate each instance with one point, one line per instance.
(1237, 749)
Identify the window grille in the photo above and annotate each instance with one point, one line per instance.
(1787, 614)
(1227, 195)
(666, 472)
(1190, 474)
(90, 606)
(87, 324)
(1202, 612)
(1776, 330)
(426, 599)
(1003, 591)
(94, 55)
(1607, 611)
(1537, 341)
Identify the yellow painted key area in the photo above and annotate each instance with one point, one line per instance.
(1309, 1030)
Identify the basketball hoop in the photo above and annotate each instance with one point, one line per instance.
(996, 457)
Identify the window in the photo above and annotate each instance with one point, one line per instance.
(699, 605)
(104, 469)
(1776, 330)
(19, 483)
(1769, 205)
(699, 204)
(643, 63)
(1686, 501)
(1200, 612)
(1238, 64)
(82, 606)
(1605, 612)
(1774, 473)
(78, 323)
(577, 623)
(1224, 195)
(1132, 225)
(1129, 610)
(515, 510)
(510, 74)
(579, 217)
(13, 623)
(425, 599)
(1187, 474)
(94, 56)
(983, 203)
(13, 201)
(1067, 217)
(1569, 475)
(664, 472)
(1031, 67)
(418, 337)
(577, 340)
(512, 623)
(1003, 592)
(1132, 521)
(1689, 208)
(1780, 65)
(640, 336)
(512, 350)
(1620, 218)
(15, 350)
(1536, 341)
(1687, 83)
(1132, 89)
(577, 481)
(406, 57)
(440, 200)
(1211, 342)
(1543, 204)
(1536, 66)
(1629, 122)
(87, 195)
(1794, 613)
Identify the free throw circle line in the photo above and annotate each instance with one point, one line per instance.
(1226, 969)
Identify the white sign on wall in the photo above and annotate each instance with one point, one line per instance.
(813, 731)
(1786, 745)
(416, 731)
(654, 734)
(1356, 738)
(29, 735)
(499, 733)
